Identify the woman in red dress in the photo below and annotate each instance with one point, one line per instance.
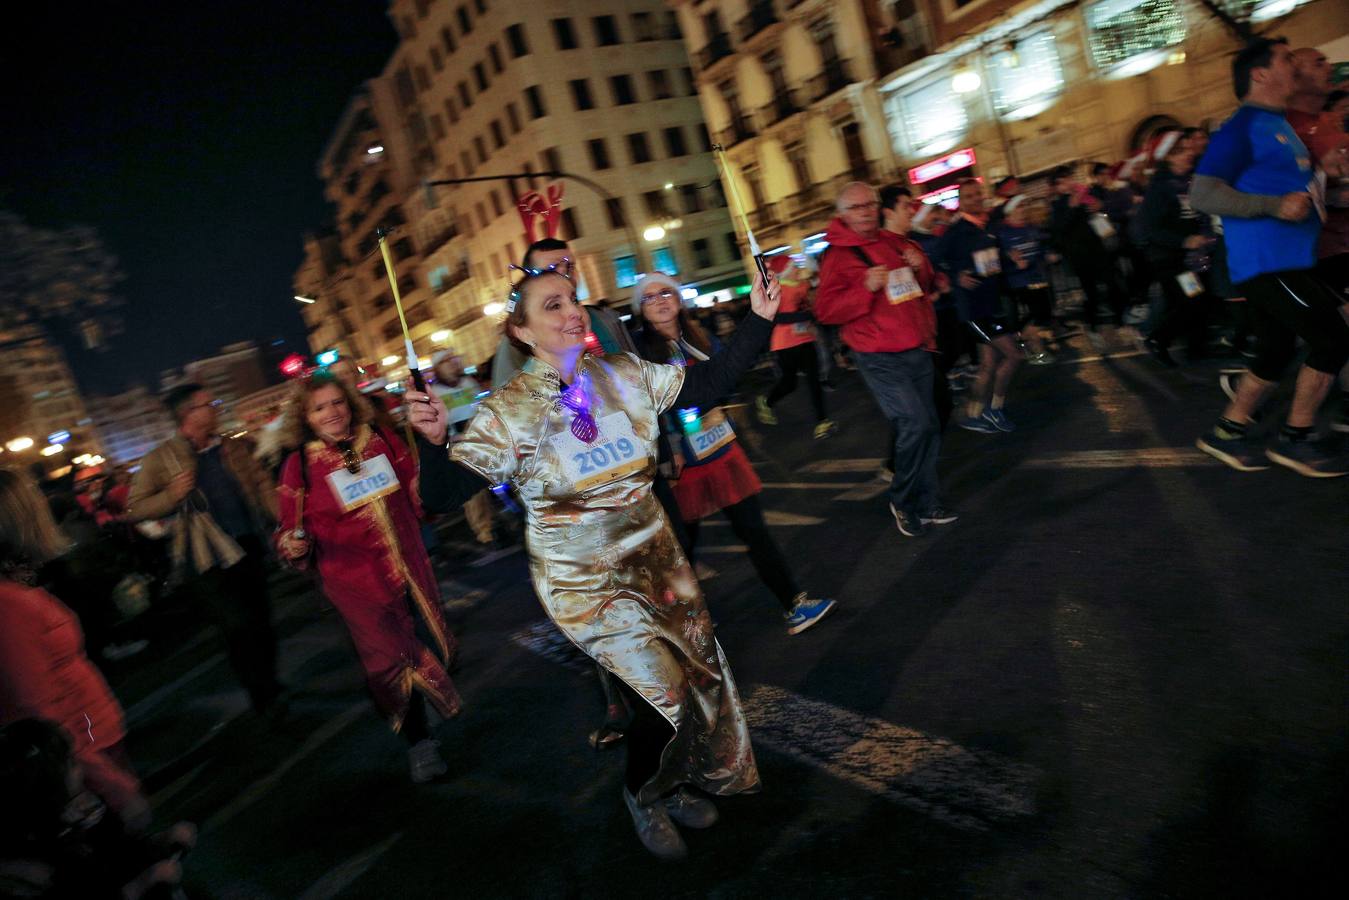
(711, 471)
(350, 508)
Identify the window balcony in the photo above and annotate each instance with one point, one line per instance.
(739, 130)
(761, 15)
(835, 75)
(717, 49)
(785, 105)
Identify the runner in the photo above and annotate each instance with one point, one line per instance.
(793, 345)
(1023, 263)
(712, 472)
(968, 253)
(349, 508)
(1258, 176)
(575, 434)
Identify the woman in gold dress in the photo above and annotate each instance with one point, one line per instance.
(575, 435)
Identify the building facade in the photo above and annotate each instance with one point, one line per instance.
(234, 373)
(599, 90)
(810, 94)
(131, 424)
(41, 399)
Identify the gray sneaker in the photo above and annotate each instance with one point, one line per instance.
(1311, 458)
(690, 810)
(1237, 452)
(655, 830)
(425, 761)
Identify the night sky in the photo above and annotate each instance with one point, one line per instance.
(188, 134)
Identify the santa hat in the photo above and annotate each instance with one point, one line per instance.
(778, 263)
(653, 280)
(1131, 165)
(1164, 145)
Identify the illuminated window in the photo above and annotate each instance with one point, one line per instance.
(1027, 78)
(1128, 37)
(933, 117)
(663, 260)
(625, 271)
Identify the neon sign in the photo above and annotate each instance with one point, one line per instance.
(942, 165)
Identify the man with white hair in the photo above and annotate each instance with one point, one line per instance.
(879, 287)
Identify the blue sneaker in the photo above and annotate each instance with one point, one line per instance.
(806, 613)
(998, 419)
(978, 423)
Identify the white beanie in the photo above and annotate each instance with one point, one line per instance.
(652, 280)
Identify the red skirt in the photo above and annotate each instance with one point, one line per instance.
(702, 490)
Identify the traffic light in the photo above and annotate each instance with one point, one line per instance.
(326, 358)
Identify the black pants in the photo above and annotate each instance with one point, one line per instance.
(1091, 271)
(801, 358)
(238, 602)
(1290, 305)
(901, 384)
(647, 735)
(1182, 315)
(747, 522)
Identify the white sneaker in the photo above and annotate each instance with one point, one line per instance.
(425, 761)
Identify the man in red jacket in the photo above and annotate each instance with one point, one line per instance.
(879, 287)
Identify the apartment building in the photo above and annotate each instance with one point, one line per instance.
(43, 404)
(132, 424)
(596, 89)
(231, 375)
(810, 94)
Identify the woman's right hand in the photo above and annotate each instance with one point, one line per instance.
(293, 546)
(428, 416)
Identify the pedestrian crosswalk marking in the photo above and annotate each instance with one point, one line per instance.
(1146, 458)
(774, 517)
(963, 788)
(840, 466)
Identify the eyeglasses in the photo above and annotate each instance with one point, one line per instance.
(664, 294)
(859, 207)
(350, 459)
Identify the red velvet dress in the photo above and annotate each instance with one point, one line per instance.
(375, 570)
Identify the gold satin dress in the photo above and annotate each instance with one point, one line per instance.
(604, 562)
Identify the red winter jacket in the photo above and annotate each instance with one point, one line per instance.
(44, 674)
(870, 323)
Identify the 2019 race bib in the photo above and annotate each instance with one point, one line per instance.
(714, 432)
(902, 286)
(615, 452)
(375, 479)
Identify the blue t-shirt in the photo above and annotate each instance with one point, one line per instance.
(1257, 152)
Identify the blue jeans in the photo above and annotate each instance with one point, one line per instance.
(902, 386)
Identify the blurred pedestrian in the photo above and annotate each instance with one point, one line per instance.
(1080, 230)
(793, 346)
(970, 255)
(879, 287)
(460, 393)
(350, 510)
(711, 471)
(1023, 263)
(44, 672)
(1258, 176)
(223, 505)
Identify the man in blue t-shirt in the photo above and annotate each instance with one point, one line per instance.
(1259, 178)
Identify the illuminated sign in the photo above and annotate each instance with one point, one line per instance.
(948, 197)
(292, 365)
(58, 437)
(942, 165)
(326, 358)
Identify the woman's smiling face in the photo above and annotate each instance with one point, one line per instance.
(555, 322)
(328, 413)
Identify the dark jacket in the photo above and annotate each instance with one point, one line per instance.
(1071, 232)
(955, 255)
(1167, 218)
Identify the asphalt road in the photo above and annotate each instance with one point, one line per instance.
(1120, 674)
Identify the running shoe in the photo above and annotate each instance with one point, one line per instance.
(1228, 382)
(1311, 458)
(908, 525)
(978, 423)
(806, 613)
(690, 810)
(998, 419)
(425, 761)
(766, 415)
(1159, 353)
(1237, 452)
(938, 515)
(825, 428)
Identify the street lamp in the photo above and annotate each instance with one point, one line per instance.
(653, 233)
(440, 337)
(389, 361)
(19, 444)
(52, 449)
(304, 299)
(495, 308)
(965, 80)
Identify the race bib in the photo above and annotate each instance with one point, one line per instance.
(614, 453)
(354, 490)
(714, 432)
(902, 286)
(986, 262)
(1190, 284)
(1317, 188)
